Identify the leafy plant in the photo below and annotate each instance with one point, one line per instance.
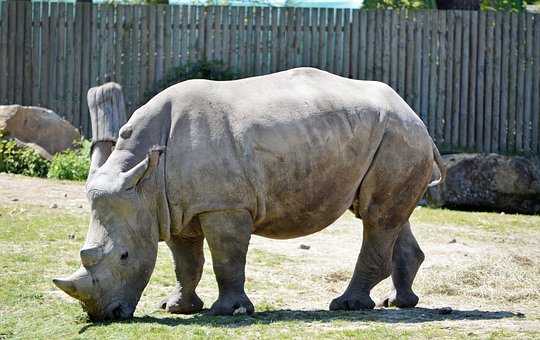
(213, 70)
(71, 164)
(503, 5)
(395, 4)
(22, 160)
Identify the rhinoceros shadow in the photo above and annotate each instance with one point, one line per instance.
(413, 315)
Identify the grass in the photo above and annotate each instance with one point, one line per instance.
(290, 287)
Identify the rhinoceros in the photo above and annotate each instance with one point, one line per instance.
(282, 156)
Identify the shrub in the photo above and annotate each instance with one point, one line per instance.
(212, 70)
(503, 5)
(71, 164)
(395, 4)
(22, 160)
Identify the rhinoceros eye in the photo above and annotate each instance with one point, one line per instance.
(124, 256)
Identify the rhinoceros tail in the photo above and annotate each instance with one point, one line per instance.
(442, 169)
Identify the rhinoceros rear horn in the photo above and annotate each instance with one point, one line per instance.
(78, 285)
(107, 113)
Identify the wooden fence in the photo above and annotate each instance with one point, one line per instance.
(473, 77)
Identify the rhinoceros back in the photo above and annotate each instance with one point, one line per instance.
(290, 147)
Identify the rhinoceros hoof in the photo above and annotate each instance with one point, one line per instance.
(352, 302)
(400, 300)
(177, 304)
(232, 305)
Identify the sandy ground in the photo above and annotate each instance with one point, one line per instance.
(488, 279)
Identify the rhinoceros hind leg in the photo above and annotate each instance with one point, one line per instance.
(387, 196)
(406, 261)
(228, 233)
(188, 265)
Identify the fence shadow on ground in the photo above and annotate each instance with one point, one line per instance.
(414, 315)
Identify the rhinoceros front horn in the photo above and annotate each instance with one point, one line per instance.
(77, 285)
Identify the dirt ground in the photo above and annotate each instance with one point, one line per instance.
(487, 273)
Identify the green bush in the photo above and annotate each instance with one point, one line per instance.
(71, 164)
(22, 160)
(213, 70)
(503, 5)
(395, 4)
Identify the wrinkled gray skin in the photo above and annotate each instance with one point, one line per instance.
(281, 156)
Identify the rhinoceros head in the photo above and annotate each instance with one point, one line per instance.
(129, 216)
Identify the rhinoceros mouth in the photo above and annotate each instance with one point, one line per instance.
(114, 311)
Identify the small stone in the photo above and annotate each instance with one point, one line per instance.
(65, 194)
(453, 240)
(53, 206)
(445, 311)
(520, 315)
(305, 247)
(240, 311)
(14, 199)
(71, 236)
(80, 206)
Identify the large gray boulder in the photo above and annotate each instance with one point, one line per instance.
(489, 182)
(38, 128)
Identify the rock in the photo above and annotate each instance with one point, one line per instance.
(14, 199)
(53, 206)
(453, 241)
(71, 236)
(38, 128)
(489, 182)
(305, 247)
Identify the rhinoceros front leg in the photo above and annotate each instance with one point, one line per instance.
(228, 233)
(188, 265)
(406, 261)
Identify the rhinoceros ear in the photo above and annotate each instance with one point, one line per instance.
(145, 169)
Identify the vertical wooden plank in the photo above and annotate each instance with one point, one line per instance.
(473, 81)
(448, 114)
(77, 63)
(19, 48)
(338, 41)
(362, 45)
(161, 53)
(274, 15)
(175, 35)
(394, 53)
(386, 46)
(297, 37)
(441, 88)
(402, 46)
(4, 22)
(209, 33)
(218, 33)
(267, 41)
(378, 45)
(370, 39)
(87, 32)
(315, 40)
(505, 79)
(464, 86)
(488, 81)
(355, 37)
(146, 50)
(258, 42)
(69, 62)
(61, 61)
(512, 86)
(11, 55)
(242, 41)
(528, 86)
(154, 45)
(53, 60)
(95, 49)
(291, 37)
(536, 88)
(233, 41)
(36, 23)
(409, 59)
(456, 81)
(282, 38)
(427, 59)
(248, 42)
(226, 22)
(306, 38)
(27, 56)
(497, 48)
(480, 76)
(201, 34)
(520, 99)
(417, 75)
(104, 58)
(184, 35)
